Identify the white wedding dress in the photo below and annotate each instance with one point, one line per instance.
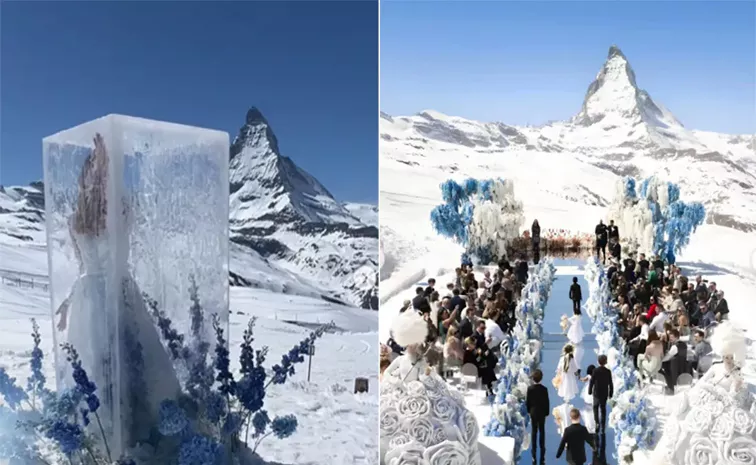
(712, 423)
(568, 388)
(406, 368)
(104, 294)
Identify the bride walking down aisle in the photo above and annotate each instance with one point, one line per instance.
(567, 375)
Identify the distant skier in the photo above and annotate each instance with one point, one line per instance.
(601, 240)
(576, 296)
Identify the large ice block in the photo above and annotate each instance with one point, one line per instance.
(137, 217)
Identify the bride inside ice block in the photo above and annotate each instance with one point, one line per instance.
(137, 212)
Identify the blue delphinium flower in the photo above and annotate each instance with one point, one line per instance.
(172, 418)
(296, 355)
(284, 426)
(260, 423)
(227, 385)
(195, 310)
(69, 436)
(36, 381)
(11, 392)
(172, 338)
(215, 407)
(199, 450)
(87, 387)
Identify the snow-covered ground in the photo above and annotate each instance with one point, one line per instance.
(336, 427)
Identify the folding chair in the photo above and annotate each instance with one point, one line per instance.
(685, 380)
(470, 376)
(658, 379)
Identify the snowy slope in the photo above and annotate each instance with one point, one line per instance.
(288, 233)
(619, 129)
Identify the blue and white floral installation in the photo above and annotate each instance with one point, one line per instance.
(520, 355)
(652, 217)
(632, 416)
(481, 215)
(217, 420)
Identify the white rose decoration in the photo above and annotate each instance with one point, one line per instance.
(474, 457)
(739, 451)
(714, 406)
(446, 453)
(407, 454)
(421, 430)
(410, 407)
(439, 435)
(744, 421)
(696, 420)
(399, 440)
(415, 388)
(469, 429)
(389, 422)
(722, 429)
(444, 410)
(702, 451)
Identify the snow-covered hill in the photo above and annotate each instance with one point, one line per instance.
(289, 235)
(619, 130)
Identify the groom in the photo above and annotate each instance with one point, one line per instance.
(602, 389)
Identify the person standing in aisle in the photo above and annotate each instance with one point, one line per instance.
(537, 403)
(576, 296)
(575, 438)
(601, 240)
(602, 389)
(613, 231)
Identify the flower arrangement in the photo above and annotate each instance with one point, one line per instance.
(632, 417)
(424, 422)
(520, 355)
(218, 419)
(481, 215)
(653, 218)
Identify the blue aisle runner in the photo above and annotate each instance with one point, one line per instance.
(553, 342)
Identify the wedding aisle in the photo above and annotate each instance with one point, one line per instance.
(553, 342)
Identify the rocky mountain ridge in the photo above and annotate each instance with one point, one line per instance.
(619, 128)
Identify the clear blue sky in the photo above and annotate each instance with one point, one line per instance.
(531, 62)
(311, 68)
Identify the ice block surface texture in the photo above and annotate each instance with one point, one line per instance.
(137, 217)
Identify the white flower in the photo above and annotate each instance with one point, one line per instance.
(714, 406)
(439, 436)
(406, 454)
(744, 421)
(739, 451)
(444, 409)
(702, 451)
(446, 453)
(420, 429)
(415, 388)
(723, 428)
(399, 440)
(697, 420)
(468, 428)
(474, 457)
(413, 407)
(389, 422)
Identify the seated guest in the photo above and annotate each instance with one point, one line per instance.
(638, 343)
(650, 361)
(721, 310)
(654, 309)
(683, 325)
(701, 349)
(454, 353)
(485, 360)
(675, 362)
(657, 324)
(493, 332)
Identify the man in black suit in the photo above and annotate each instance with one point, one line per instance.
(576, 296)
(602, 389)
(601, 240)
(537, 403)
(575, 437)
